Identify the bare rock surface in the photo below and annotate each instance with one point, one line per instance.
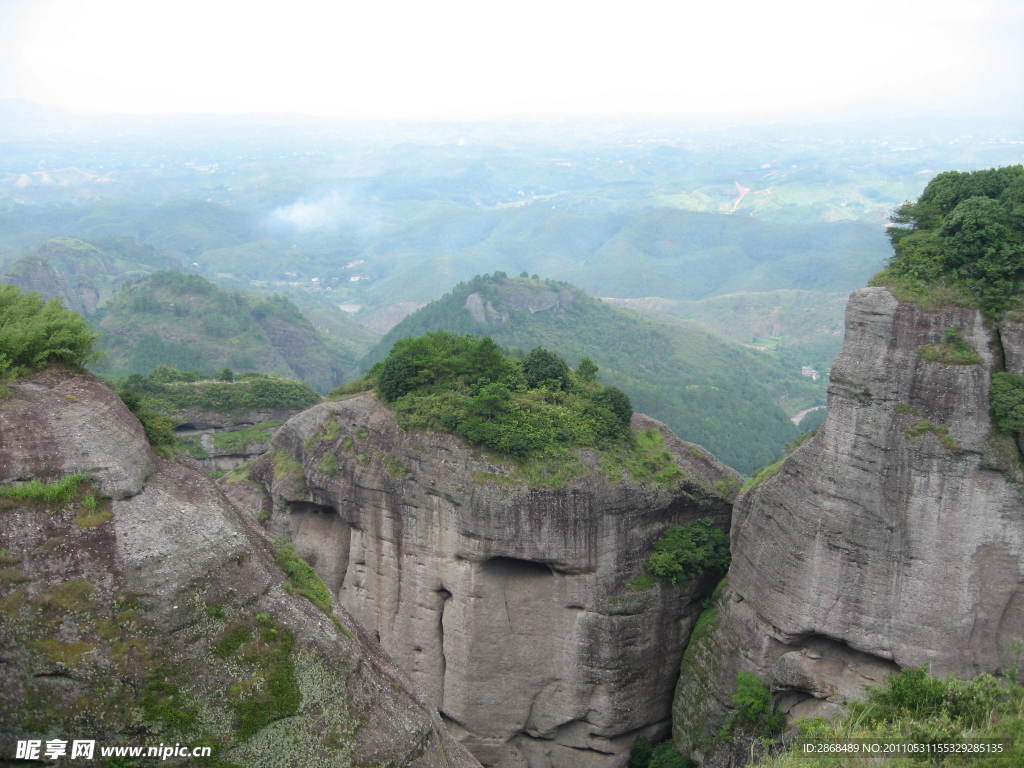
(159, 615)
(512, 607)
(893, 538)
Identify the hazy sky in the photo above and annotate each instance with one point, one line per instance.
(491, 59)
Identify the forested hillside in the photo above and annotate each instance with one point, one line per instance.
(188, 323)
(707, 389)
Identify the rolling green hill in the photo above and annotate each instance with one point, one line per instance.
(798, 327)
(188, 323)
(709, 390)
(83, 274)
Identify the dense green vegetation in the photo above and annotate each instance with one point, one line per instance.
(1008, 401)
(59, 491)
(753, 712)
(186, 322)
(915, 707)
(663, 755)
(302, 579)
(158, 427)
(706, 389)
(965, 235)
(686, 552)
(523, 408)
(170, 391)
(952, 350)
(34, 333)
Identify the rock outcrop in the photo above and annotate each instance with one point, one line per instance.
(514, 608)
(893, 538)
(222, 440)
(143, 608)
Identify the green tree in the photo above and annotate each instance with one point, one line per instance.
(685, 552)
(35, 333)
(545, 369)
(616, 401)
(1008, 401)
(587, 370)
(753, 702)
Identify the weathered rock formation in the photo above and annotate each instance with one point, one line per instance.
(222, 440)
(510, 606)
(147, 609)
(893, 538)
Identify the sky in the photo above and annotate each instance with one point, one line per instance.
(484, 59)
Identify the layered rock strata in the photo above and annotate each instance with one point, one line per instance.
(515, 608)
(893, 538)
(144, 609)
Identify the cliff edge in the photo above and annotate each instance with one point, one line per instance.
(516, 607)
(893, 538)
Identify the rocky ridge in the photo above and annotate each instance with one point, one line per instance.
(893, 538)
(147, 609)
(514, 608)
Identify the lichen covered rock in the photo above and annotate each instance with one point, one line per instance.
(144, 608)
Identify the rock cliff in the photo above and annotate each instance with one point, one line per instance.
(514, 608)
(140, 607)
(893, 538)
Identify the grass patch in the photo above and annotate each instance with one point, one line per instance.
(72, 596)
(8, 558)
(66, 654)
(59, 491)
(285, 466)
(953, 350)
(240, 473)
(272, 693)
(328, 464)
(10, 576)
(649, 458)
(394, 467)
(925, 427)
(702, 629)
(351, 388)
(239, 440)
(763, 474)
(726, 486)
(302, 579)
(94, 511)
(903, 409)
(164, 702)
(927, 296)
(641, 583)
(231, 640)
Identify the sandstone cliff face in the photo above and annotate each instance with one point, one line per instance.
(510, 606)
(892, 538)
(154, 612)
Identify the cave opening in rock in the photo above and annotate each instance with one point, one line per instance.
(322, 538)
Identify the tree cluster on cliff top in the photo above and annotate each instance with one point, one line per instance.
(530, 407)
(35, 333)
(966, 231)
